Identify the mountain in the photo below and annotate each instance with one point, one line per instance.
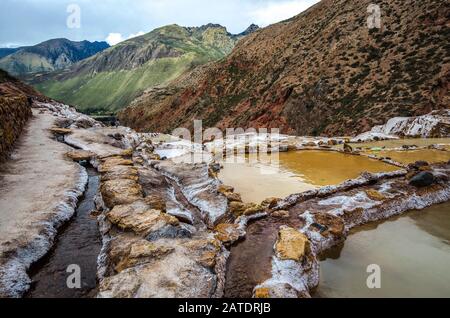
(49, 56)
(111, 79)
(7, 51)
(321, 72)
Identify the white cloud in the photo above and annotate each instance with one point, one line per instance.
(116, 38)
(273, 12)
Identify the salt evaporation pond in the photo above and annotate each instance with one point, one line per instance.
(413, 252)
(257, 179)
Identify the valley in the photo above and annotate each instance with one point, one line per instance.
(123, 173)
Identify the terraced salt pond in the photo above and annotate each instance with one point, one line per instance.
(413, 252)
(293, 172)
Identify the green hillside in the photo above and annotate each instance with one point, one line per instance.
(110, 80)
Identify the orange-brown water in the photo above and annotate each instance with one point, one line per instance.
(295, 172)
(398, 143)
(410, 156)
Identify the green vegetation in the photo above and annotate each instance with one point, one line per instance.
(109, 91)
(112, 79)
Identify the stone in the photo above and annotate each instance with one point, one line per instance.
(120, 172)
(168, 231)
(422, 179)
(292, 244)
(156, 202)
(142, 220)
(310, 144)
(238, 208)
(328, 224)
(60, 131)
(120, 191)
(80, 155)
(262, 293)
(348, 148)
(375, 195)
(228, 233)
(127, 153)
(109, 163)
(225, 189)
(332, 142)
(141, 252)
(282, 214)
(270, 203)
(233, 197)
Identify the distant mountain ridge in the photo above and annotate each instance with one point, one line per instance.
(110, 80)
(322, 72)
(48, 56)
(7, 51)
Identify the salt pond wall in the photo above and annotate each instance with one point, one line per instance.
(14, 114)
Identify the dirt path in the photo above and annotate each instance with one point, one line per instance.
(39, 188)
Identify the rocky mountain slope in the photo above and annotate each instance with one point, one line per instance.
(49, 56)
(110, 80)
(321, 72)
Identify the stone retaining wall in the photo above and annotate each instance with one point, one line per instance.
(14, 114)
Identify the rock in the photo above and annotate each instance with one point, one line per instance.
(169, 231)
(375, 195)
(215, 167)
(139, 253)
(225, 189)
(310, 144)
(270, 203)
(422, 179)
(156, 202)
(109, 163)
(120, 191)
(281, 214)
(140, 219)
(262, 293)
(127, 153)
(228, 233)
(332, 142)
(120, 172)
(238, 208)
(60, 131)
(328, 224)
(80, 155)
(417, 165)
(348, 148)
(233, 197)
(291, 244)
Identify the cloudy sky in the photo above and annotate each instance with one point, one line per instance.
(28, 22)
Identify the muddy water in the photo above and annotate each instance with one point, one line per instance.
(78, 243)
(413, 251)
(398, 143)
(407, 157)
(294, 172)
(250, 261)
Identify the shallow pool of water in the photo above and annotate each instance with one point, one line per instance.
(293, 172)
(413, 252)
(410, 156)
(398, 143)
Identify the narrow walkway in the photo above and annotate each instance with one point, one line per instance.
(34, 184)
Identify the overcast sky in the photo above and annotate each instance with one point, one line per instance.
(28, 22)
